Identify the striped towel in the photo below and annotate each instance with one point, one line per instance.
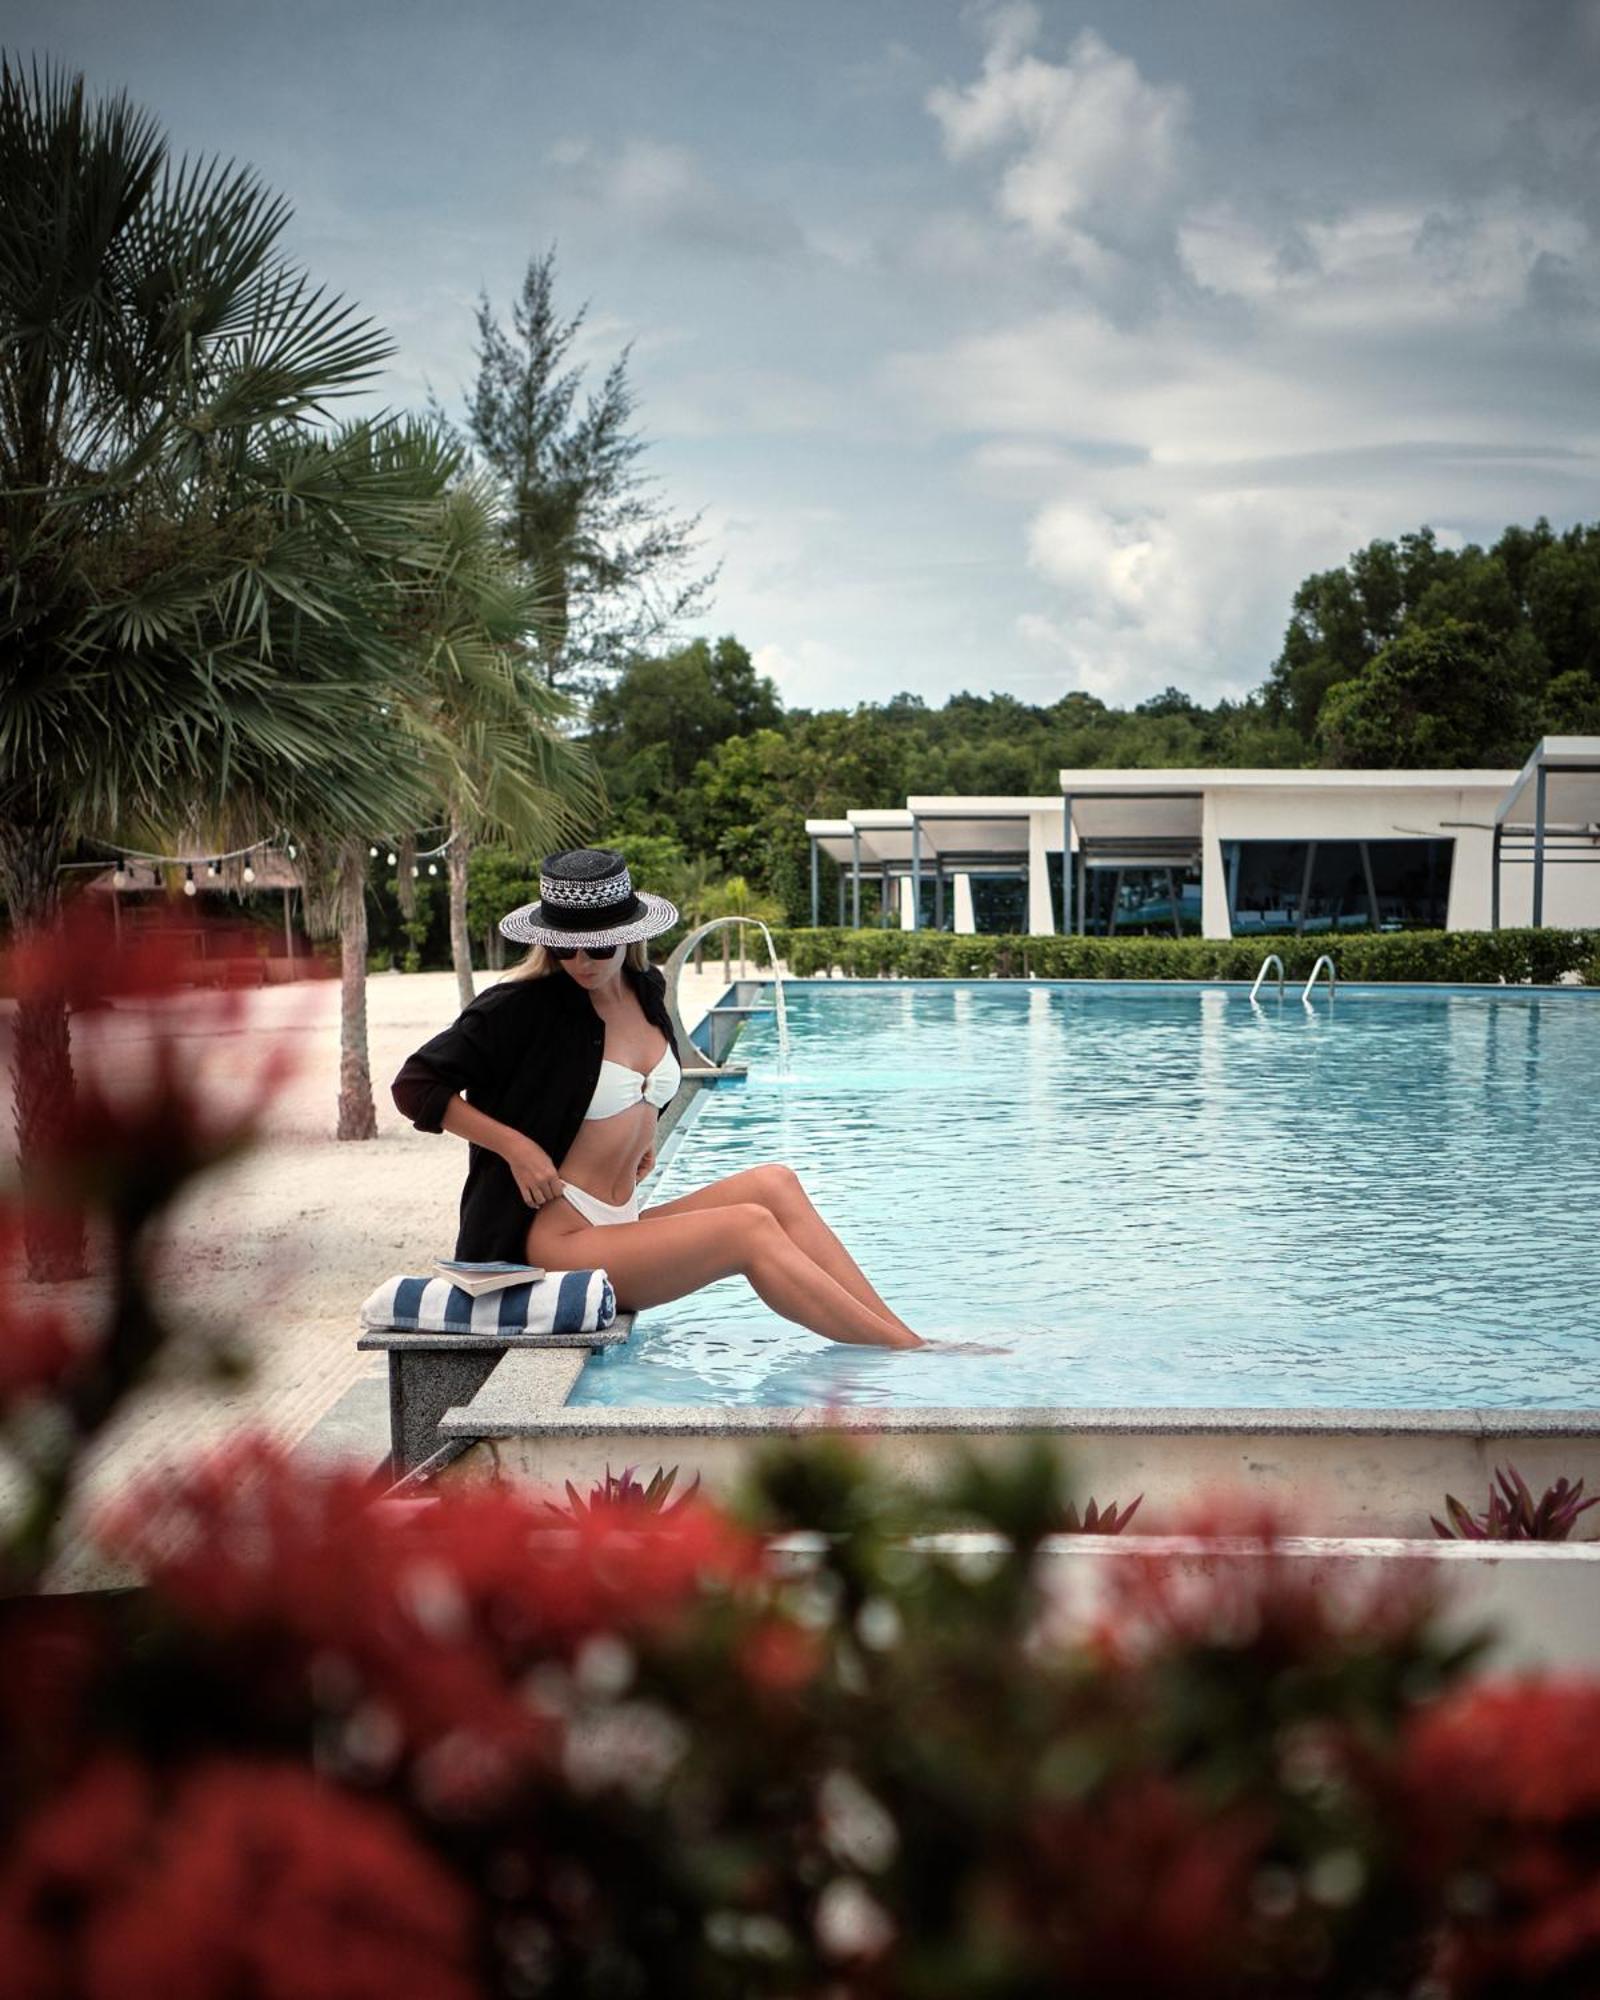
(559, 1302)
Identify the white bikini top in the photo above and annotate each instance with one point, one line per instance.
(620, 1088)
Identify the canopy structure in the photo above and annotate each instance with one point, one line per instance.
(946, 839)
(1235, 851)
(1551, 815)
(874, 839)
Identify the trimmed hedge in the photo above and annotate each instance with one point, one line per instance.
(1512, 958)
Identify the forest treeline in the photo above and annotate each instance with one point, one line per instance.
(1409, 654)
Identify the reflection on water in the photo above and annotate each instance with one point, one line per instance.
(1163, 1198)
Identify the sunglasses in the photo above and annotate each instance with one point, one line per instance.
(562, 952)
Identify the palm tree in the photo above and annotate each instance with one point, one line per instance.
(500, 758)
(735, 898)
(693, 887)
(189, 624)
(486, 729)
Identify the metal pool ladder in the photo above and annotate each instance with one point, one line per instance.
(1333, 978)
(1271, 959)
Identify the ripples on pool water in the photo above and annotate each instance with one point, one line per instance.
(1162, 1198)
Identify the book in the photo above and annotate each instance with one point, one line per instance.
(476, 1279)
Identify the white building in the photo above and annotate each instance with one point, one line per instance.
(1227, 853)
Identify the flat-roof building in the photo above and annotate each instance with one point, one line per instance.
(1228, 853)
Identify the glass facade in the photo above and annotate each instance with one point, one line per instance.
(1305, 886)
(999, 903)
(1142, 902)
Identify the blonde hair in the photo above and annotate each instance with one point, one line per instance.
(539, 964)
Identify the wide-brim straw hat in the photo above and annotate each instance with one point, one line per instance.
(587, 897)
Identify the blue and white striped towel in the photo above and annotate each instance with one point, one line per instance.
(559, 1302)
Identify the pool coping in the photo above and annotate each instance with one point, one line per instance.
(547, 1417)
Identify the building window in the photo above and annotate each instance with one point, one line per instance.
(999, 903)
(1310, 886)
(1141, 902)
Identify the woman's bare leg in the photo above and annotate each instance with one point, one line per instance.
(661, 1258)
(778, 1188)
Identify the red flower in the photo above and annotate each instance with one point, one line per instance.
(79, 962)
(420, 1622)
(52, 1652)
(244, 1878)
(1248, 1594)
(142, 1118)
(1140, 1891)
(1504, 1785)
(39, 1346)
(779, 1657)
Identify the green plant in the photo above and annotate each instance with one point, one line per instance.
(1510, 957)
(1098, 1520)
(1513, 1515)
(622, 1493)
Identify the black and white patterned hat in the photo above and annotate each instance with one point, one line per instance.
(587, 897)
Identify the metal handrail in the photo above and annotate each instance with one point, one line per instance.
(673, 971)
(1333, 978)
(1271, 958)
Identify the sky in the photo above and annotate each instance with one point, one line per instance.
(1022, 347)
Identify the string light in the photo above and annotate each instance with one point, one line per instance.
(249, 874)
(189, 882)
(291, 850)
(391, 858)
(119, 875)
(415, 871)
(373, 853)
(433, 867)
(211, 871)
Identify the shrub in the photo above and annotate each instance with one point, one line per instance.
(1513, 1515)
(1492, 958)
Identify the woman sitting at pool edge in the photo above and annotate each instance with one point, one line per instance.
(567, 1063)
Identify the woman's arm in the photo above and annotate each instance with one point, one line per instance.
(531, 1166)
(465, 1056)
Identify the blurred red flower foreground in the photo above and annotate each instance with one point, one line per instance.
(362, 1750)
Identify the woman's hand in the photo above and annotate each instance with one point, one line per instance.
(646, 1164)
(532, 1169)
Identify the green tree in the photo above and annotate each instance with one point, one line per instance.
(487, 731)
(662, 714)
(1434, 698)
(189, 630)
(493, 731)
(613, 569)
(1341, 618)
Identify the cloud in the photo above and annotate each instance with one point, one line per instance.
(656, 188)
(1240, 381)
(1182, 594)
(1094, 153)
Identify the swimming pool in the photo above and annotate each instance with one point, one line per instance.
(1161, 1197)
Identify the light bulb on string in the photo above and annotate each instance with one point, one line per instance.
(433, 867)
(119, 875)
(211, 871)
(392, 860)
(372, 853)
(415, 871)
(249, 874)
(189, 882)
(291, 850)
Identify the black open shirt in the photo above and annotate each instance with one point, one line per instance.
(527, 1053)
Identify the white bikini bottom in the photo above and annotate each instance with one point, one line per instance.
(599, 1212)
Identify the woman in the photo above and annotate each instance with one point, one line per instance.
(567, 1064)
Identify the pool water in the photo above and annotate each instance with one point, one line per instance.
(1162, 1198)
